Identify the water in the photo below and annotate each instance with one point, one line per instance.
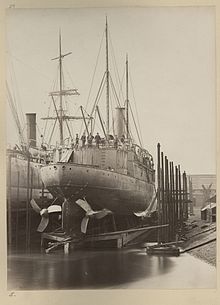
(107, 269)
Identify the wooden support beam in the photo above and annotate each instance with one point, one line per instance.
(27, 204)
(167, 200)
(180, 199)
(17, 210)
(9, 213)
(162, 195)
(176, 197)
(159, 193)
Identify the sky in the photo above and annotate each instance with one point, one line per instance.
(171, 55)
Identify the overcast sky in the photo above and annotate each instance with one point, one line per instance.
(171, 61)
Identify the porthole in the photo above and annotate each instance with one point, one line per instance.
(63, 167)
(70, 168)
(55, 167)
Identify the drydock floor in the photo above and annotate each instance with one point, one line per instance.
(108, 269)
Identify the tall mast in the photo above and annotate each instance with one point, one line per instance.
(59, 111)
(107, 80)
(127, 100)
(61, 85)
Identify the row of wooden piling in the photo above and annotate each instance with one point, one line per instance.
(172, 198)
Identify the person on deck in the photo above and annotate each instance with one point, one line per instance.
(116, 142)
(77, 141)
(97, 139)
(89, 139)
(122, 139)
(83, 139)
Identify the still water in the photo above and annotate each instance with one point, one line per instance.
(107, 269)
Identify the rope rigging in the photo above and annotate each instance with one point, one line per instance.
(96, 64)
(115, 97)
(135, 104)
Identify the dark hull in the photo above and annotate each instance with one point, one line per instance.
(122, 194)
(17, 181)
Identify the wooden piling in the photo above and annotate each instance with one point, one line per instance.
(173, 202)
(162, 196)
(180, 200)
(172, 229)
(9, 212)
(177, 197)
(172, 197)
(158, 193)
(17, 210)
(27, 203)
(185, 196)
(167, 200)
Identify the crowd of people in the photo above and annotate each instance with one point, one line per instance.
(113, 141)
(97, 140)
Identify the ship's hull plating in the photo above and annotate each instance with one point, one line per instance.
(122, 194)
(17, 175)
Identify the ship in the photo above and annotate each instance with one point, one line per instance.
(99, 177)
(23, 163)
(24, 183)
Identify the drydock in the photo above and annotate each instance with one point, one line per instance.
(119, 258)
(94, 209)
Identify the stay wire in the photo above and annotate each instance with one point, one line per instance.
(96, 65)
(135, 104)
(115, 64)
(135, 125)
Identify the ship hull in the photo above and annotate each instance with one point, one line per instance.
(120, 193)
(17, 181)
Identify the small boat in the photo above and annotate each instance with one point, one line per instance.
(163, 250)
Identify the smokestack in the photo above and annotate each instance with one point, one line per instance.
(31, 129)
(120, 121)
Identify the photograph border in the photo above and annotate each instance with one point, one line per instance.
(96, 297)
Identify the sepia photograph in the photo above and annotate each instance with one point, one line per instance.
(111, 148)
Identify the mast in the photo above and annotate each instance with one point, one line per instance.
(59, 111)
(107, 80)
(127, 100)
(61, 85)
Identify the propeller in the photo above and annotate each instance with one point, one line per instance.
(44, 214)
(90, 213)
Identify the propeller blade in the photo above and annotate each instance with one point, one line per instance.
(148, 209)
(43, 224)
(84, 205)
(141, 214)
(210, 185)
(35, 206)
(102, 213)
(203, 186)
(54, 208)
(84, 224)
(44, 212)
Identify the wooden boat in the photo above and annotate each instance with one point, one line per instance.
(163, 250)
